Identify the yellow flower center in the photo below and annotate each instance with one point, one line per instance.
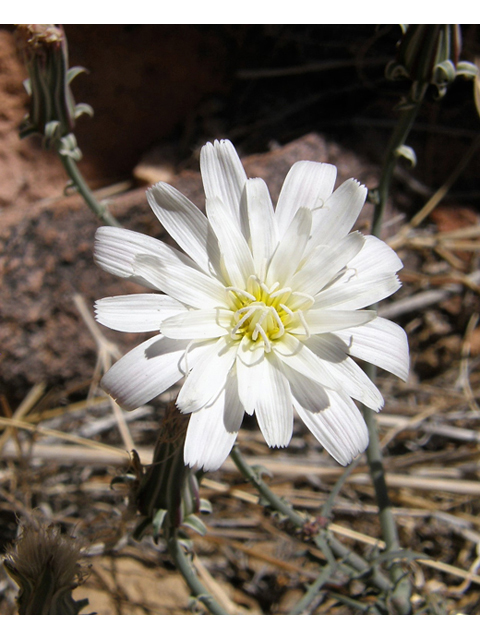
(266, 313)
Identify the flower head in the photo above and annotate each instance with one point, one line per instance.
(47, 567)
(261, 314)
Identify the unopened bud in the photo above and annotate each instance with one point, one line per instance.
(52, 111)
(168, 492)
(429, 54)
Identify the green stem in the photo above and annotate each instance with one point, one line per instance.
(399, 135)
(356, 562)
(328, 506)
(273, 500)
(349, 557)
(196, 587)
(74, 174)
(402, 592)
(313, 590)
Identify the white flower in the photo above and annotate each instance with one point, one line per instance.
(262, 312)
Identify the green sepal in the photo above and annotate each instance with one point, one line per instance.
(395, 71)
(141, 528)
(205, 506)
(467, 69)
(407, 152)
(186, 543)
(196, 524)
(157, 522)
(27, 85)
(73, 72)
(444, 73)
(81, 109)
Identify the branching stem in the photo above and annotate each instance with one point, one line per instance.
(185, 567)
(84, 190)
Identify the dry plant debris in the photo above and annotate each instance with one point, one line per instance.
(59, 459)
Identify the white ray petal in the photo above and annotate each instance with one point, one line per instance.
(324, 263)
(351, 379)
(136, 313)
(207, 377)
(289, 251)
(212, 431)
(263, 232)
(189, 286)
(376, 258)
(223, 176)
(308, 393)
(198, 324)
(299, 357)
(273, 406)
(340, 428)
(381, 342)
(116, 251)
(249, 373)
(237, 257)
(340, 212)
(145, 372)
(327, 320)
(368, 278)
(308, 184)
(187, 225)
(358, 293)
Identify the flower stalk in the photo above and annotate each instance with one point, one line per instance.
(374, 455)
(78, 181)
(53, 112)
(185, 567)
(395, 147)
(429, 56)
(166, 495)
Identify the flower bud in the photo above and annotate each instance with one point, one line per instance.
(52, 107)
(168, 492)
(46, 566)
(429, 54)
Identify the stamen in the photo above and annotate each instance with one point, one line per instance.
(281, 328)
(261, 312)
(250, 311)
(185, 357)
(265, 289)
(242, 292)
(259, 330)
(288, 311)
(273, 287)
(320, 205)
(253, 284)
(306, 296)
(355, 273)
(281, 292)
(304, 324)
(259, 324)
